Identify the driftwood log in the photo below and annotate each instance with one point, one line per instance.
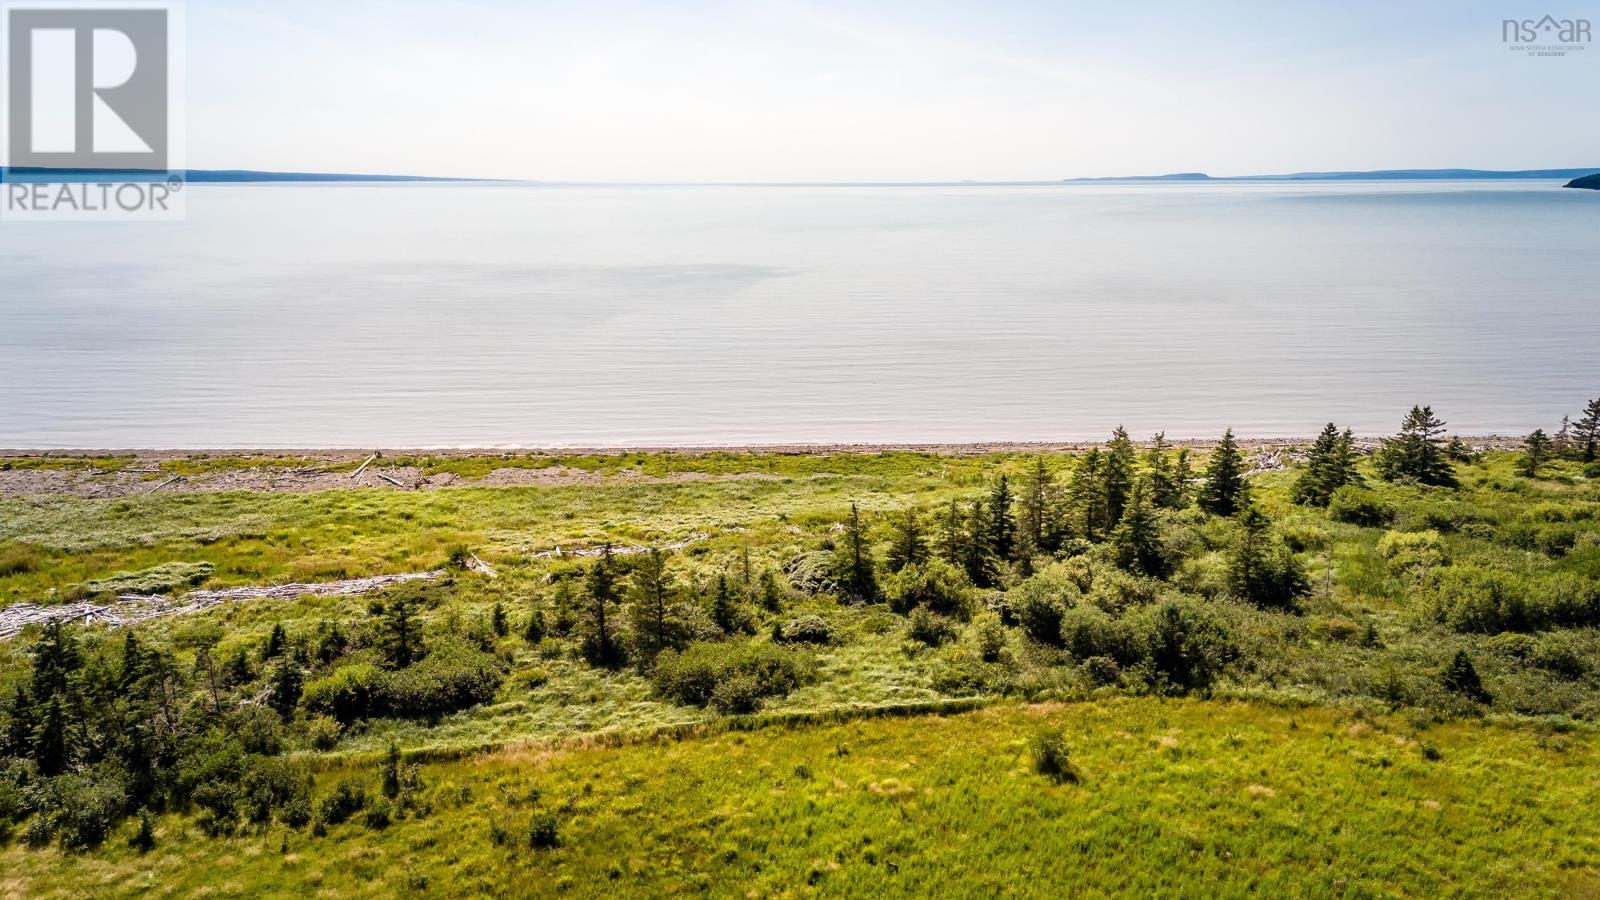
(131, 609)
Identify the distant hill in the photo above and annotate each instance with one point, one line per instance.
(196, 176)
(1376, 175)
(1592, 182)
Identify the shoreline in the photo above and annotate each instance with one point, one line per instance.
(939, 448)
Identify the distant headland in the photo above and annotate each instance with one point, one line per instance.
(1592, 182)
(1376, 175)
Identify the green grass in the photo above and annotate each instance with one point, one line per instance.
(1176, 798)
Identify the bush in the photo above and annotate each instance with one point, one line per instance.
(806, 629)
(1185, 645)
(989, 637)
(323, 732)
(453, 676)
(1413, 551)
(1052, 756)
(1475, 598)
(1359, 506)
(87, 807)
(1102, 670)
(545, 830)
(935, 585)
(347, 694)
(928, 627)
(269, 784)
(349, 797)
(738, 695)
(693, 676)
(1460, 677)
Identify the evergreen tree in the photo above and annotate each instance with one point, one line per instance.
(497, 620)
(1330, 466)
(1261, 571)
(389, 773)
(1225, 490)
(657, 617)
(600, 645)
(402, 639)
(1561, 444)
(1117, 475)
(1535, 450)
(1164, 490)
(726, 613)
(55, 659)
(565, 605)
(1136, 542)
(1037, 530)
(1461, 677)
(1417, 453)
(771, 592)
(284, 683)
(1087, 492)
(49, 739)
(1587, 432)
(857, 578)
(1183, 475)
(535, 629)
(1001, 534)
(277, 642)
(976, 560)
(909, 547)
(953, 535)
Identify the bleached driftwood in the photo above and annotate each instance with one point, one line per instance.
(393, 482)
(478, 565)
(131, 609)
(163, 484)
(363, 467)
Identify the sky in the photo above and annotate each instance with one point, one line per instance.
(821, 90)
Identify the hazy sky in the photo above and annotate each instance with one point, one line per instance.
(818, 90)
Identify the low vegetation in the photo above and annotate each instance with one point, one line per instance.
(1441, 595)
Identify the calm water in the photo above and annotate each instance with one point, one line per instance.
(422, 315)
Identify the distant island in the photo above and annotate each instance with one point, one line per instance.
(198, 176)
(1592, 182)
(1375, 175)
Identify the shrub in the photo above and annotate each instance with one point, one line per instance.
(738, 695)
(1359, 506)
(1088, 631)
(989, 637)
(379, 815)
(691, 677)
(806, 629)
(269, 784)
(348, 797)
(1413, 551)
(88, 806)
(1186, 646)
(323, 732)
(935, 585)
(928, 627)
(545, 830)
(1052, 756)
(453, 676)
(346, 694)
(1475, 598)
(1102, 670)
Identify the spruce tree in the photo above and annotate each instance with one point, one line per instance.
(1037, 531)
(49, 739)
(1183, 476)
(1117, 475)
(1087, 495)
(953, 535)
(1136, 542)
(402, 642)
(1262, 571)
(857, 578)
(976, 560)
(600, 645)
(1417, 453)
(1159, 475)
(1001, 533)
(277, 642)
(497, 620)
(1587, 431)
(725, 611)
(1329, 466)
(1535, 450)
(658, 622)
(1225, 490)
(1461, 677)
(909, 547)
(535, 629)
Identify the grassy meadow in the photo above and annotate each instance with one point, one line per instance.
(856, 674)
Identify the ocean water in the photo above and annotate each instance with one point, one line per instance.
(422, 315)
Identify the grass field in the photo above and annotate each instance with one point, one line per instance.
(1177, 797)
(1330, 747)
